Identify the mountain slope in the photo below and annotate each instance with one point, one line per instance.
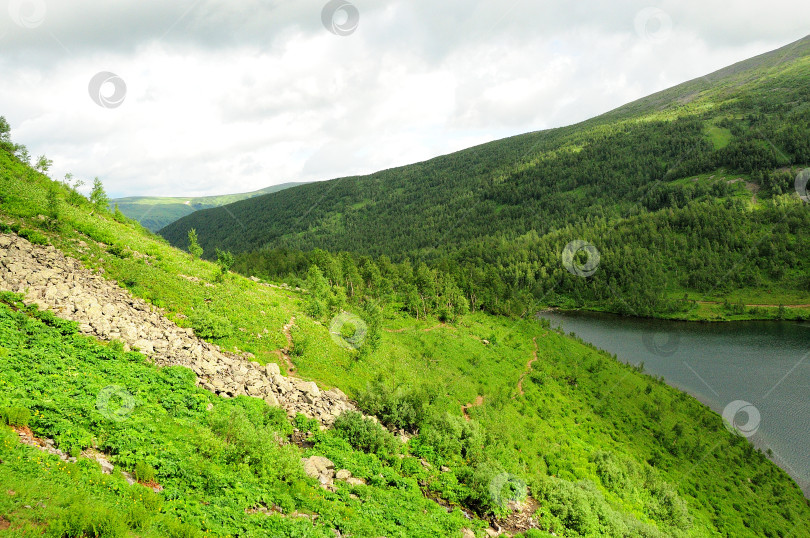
(654, 172)
(602, 448)
(538, 181)
(156, 212)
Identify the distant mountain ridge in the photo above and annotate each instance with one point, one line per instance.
(156, 212)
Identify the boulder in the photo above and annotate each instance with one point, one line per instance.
(145, 346)
(309, 388)
(343, 474)
(272, 369)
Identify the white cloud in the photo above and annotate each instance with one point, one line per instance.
(234, 96)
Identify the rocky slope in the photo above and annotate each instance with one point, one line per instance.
(106, 311)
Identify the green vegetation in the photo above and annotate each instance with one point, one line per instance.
(685, 193)
(602, 448)
(217, 461)
(156, 212)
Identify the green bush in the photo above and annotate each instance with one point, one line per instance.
(451, 437)
(207, 324)
(119, 252)
(405, 408)
(34, 237)
(144, 472)
(84, 520)
(15, 416)
(252, 431)
(365, 434)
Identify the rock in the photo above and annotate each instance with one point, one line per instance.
(272, 369)
(309, 388)
(343, 474)
(355, 481)
(321, 463)
(145, 346)
(467, 533)
(129, 332)
(271, 400)
(337, 394)
(445, 469)
(319, 468)
(255, 390)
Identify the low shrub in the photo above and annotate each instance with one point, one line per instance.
(15, 416)
(400, 408)
(144, 472)
(34, 237)
(85, 520)
(119, 252)
(365, 434)
(207, 324)
(451, 438)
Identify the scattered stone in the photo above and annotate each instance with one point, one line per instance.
(106, 311)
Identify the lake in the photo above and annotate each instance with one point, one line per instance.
(758, 372)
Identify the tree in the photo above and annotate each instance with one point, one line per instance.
(98, 197)
(225, 261)
(22, 153)
(43, 164)
(318, 288)
(74, 198)
(53, 204)
(194, 247)
(5, 135)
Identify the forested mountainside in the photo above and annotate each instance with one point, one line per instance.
(687, 195)
(484, 423)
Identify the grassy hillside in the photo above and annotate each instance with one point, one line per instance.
(602, 448)
(156, 212)
(733, 140)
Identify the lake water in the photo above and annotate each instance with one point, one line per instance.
(764, 364)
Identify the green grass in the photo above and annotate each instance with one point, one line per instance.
(214, 458)
(719, 136)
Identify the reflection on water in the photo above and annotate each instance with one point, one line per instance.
(725, 366)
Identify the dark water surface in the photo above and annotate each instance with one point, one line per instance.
(762, 363)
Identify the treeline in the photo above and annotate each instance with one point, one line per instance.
(709, 245)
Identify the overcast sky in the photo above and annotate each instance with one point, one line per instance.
(195, 97)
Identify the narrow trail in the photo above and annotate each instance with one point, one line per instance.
(761, 305)
(284, 353)
(479, 401)
(528, 367)
(439, 326)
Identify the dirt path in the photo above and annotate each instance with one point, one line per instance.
(762, 305)
(439, 326)
(528, 367)
(284, 353)
(479, 401)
